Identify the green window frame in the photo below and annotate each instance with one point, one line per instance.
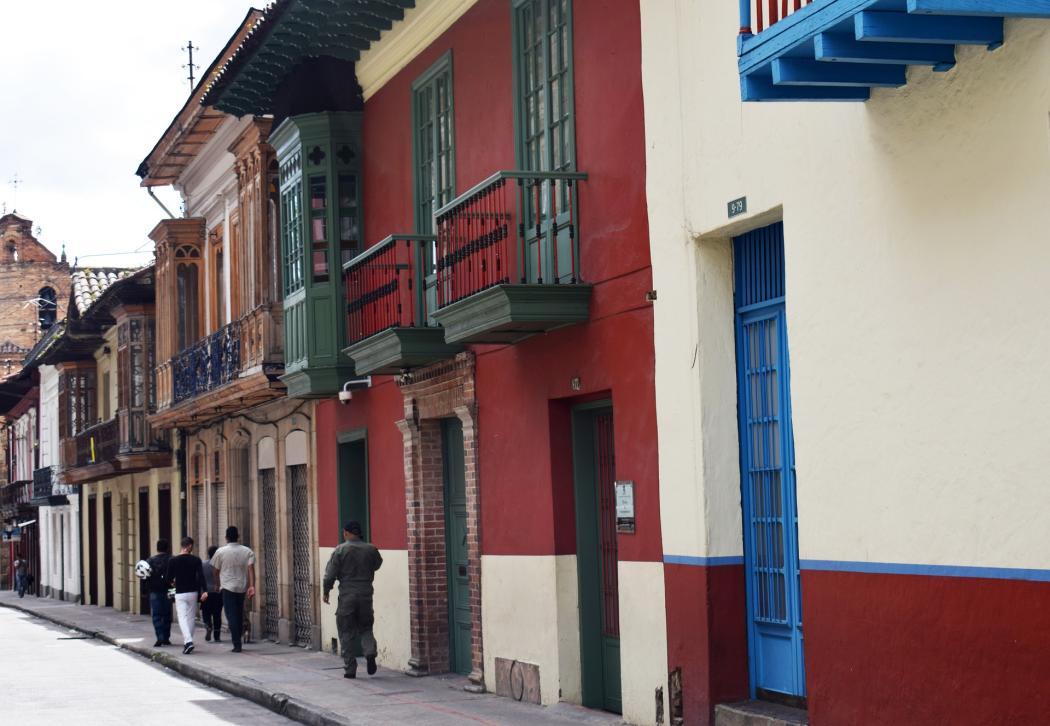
(433, 142)
(291, 222)
(545, 119)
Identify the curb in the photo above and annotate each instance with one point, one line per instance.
(280, 703)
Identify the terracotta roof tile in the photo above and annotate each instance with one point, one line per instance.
(90, 282)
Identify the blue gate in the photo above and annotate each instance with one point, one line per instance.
(767, 465)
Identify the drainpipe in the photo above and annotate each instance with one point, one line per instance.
(149, 190)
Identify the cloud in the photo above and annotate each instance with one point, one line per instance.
(87, 90)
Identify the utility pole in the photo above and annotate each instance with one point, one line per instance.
(189, 48)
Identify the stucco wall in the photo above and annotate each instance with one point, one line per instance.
(915, 277)
(915, 286)
(391, 594)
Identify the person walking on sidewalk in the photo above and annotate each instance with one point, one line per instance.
(156, 586)
(21, 570)
(234, 565)
(354, 564)
(212, 607)
(186, 574)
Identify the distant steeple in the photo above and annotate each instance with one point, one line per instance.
(62, 259)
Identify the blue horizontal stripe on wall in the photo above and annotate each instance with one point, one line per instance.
(895, 568)
(703, 561)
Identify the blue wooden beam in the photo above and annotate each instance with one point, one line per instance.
(804, 72)
(843, 48)
(989, 8)
(758, 89)
(947, 29)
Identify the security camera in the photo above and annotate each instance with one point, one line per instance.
(346, 394)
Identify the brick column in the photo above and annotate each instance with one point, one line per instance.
(427, 579)
(444, 390)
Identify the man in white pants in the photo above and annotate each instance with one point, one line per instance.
(186, 574)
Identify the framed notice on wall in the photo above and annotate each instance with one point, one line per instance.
(624, 506)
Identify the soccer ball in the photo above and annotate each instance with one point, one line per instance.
(143, 570)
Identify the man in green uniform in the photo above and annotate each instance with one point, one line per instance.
(354, 564)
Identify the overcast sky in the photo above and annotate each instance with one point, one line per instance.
(87, 90)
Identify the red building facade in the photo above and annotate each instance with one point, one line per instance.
(486, 476)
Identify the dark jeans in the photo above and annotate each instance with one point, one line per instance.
(160, 607)
(20, 584)
(233, 604)
(211, 612)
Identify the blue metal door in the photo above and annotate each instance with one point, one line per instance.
(767, 466)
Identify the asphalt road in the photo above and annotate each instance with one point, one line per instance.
(53, 676)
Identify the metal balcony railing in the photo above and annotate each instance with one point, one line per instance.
(516, 227)
(208, 364)
(14, 495)
(390, 285)
(94, 445)
(757, 15)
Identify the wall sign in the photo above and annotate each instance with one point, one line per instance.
(737, 207)
(624, 506)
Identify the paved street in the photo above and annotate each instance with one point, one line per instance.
(308, 683)
(53, 676)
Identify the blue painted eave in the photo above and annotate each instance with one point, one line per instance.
(838, 50)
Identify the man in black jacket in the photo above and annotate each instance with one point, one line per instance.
(156, 586)
(186, 575)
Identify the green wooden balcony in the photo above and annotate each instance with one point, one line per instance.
(507, 259)
(390, 291)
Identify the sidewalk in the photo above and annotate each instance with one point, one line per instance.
(306, 685)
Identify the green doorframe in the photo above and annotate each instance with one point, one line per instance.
(457, 564)
(599, 653)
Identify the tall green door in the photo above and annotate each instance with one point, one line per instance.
(353, 494)
(353, 485)
(459, 621)
(594, 466)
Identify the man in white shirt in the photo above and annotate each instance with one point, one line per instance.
(234, 565)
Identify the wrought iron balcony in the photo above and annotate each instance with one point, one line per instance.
(838, 50)
(48, 488)
(105, 449)
(390, 292)
(13, 496)
(213, 362)
(508, 258)
(94, 445)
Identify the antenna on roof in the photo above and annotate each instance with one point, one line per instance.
(189, 48)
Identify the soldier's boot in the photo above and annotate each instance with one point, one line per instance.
(351, 669)
(370, 665)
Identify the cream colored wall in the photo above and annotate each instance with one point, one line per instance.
(124, 550)
(643, 639)
(530, 613)
(915, 268)
(519, 617)
(390, 602)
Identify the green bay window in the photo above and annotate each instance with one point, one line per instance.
(318, 157)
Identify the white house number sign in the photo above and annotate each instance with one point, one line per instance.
(624, 506)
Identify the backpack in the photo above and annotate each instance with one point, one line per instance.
(158, 576)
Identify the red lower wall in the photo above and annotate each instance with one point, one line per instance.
(707, 636)
(912, 649)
